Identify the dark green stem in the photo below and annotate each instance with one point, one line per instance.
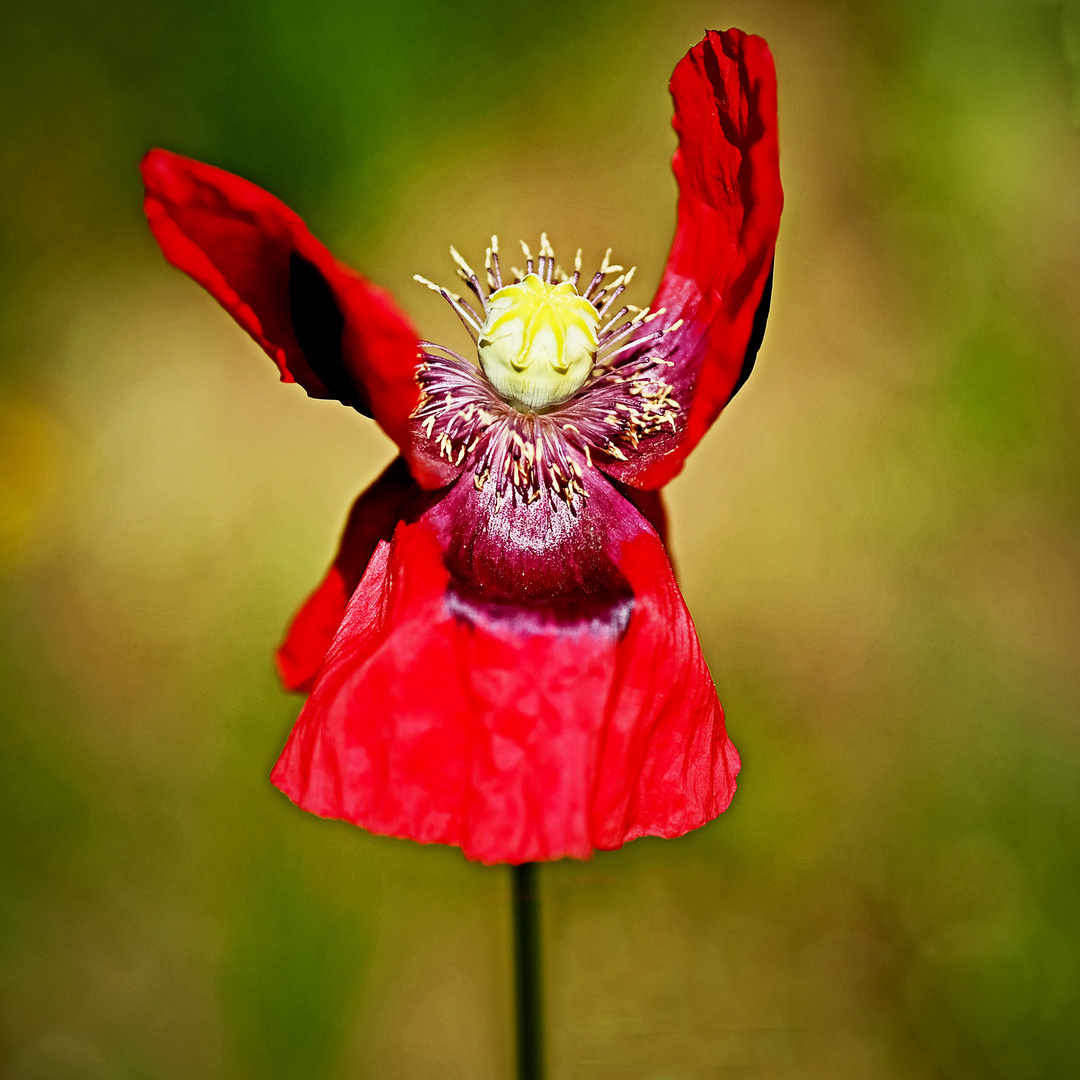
(526, 900)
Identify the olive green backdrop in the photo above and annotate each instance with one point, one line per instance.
(880, 543)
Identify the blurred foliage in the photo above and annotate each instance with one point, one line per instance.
(880, 543)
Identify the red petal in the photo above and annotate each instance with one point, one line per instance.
(524, 729)
(372, 518)
(325, 326)
(650, 504)
(718, 275)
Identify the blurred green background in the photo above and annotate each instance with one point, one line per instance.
(880, 543)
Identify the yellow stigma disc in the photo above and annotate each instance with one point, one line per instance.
(538, 342)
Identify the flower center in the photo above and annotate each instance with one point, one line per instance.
(565, 373)
(538, 342)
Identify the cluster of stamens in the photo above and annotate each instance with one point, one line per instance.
(540, 439)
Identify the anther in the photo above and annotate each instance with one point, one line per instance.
(465, 267)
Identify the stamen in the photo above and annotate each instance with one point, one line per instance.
(465, 313)
(606, 267)
(468, 275)
(614, 336)
(597, 278)
(491, 263)
(442, 349)
(547, 258)
(525, 454)
(635, 344)
(431, 285)
(465, 267)
(619, 285)
(616, 318)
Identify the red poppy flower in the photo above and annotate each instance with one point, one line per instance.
(499, 657)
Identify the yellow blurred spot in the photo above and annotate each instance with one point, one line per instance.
(31, 443)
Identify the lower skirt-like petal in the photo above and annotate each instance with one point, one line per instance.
(524, 682)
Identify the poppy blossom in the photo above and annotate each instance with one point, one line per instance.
(499, 657)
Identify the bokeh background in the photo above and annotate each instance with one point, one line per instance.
(880, 543)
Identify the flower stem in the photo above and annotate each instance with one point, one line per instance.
(526, 902)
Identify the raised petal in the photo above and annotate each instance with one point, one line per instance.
(372, 518)
(718, 278)
(523, 681)
(325, 326)
(650, 504)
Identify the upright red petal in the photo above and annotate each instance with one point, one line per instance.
(521, 681)
(718, 277)
(324, 325)
(373, 517)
